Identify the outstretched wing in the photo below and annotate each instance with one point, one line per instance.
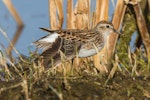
(50, 52)
(46, 42)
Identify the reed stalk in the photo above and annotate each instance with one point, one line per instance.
(19, 22)
(70, 15)
(142, 27)
(101, 14)
(52, 14)
(81, 16)
(117, 20)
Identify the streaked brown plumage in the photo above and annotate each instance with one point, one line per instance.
(73, 42)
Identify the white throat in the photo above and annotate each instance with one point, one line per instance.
(106, 34)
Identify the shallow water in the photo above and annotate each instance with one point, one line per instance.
(34, 14)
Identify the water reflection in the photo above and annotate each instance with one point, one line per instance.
(34, 15)
(19, 22)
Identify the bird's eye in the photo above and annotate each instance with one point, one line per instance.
(107, 26)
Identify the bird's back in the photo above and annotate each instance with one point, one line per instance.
(69, 43)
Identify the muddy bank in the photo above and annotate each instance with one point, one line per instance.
(121, 87)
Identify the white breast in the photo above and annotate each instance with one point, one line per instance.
(86, 53)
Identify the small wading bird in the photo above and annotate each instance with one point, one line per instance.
(73, 42)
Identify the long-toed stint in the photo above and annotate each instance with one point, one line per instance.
(73, 42)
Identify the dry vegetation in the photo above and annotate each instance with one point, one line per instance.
(109, 71)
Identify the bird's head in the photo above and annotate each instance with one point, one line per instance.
(106, 27)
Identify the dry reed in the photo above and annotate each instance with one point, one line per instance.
(142, 27)
(19, 22)
(101, 14)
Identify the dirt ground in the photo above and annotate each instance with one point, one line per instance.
(121, 87)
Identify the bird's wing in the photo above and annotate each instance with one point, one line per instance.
(50, 52)
(47, 41)
(53, 43)
(75, 34)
